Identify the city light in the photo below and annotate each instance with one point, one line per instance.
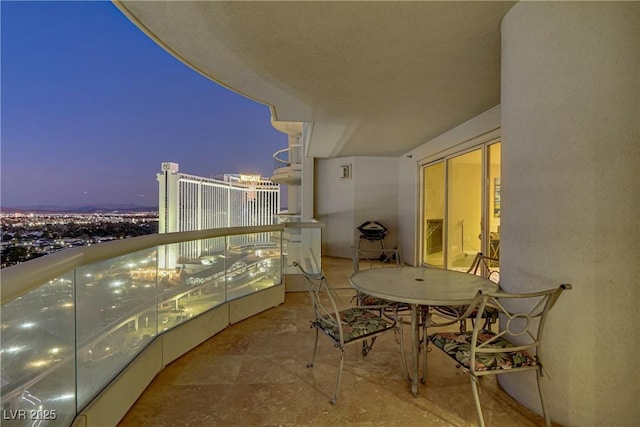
(39, 363)
(27, 325)
(250, 178)
(13, 349)
(66, 396)
(18, 231)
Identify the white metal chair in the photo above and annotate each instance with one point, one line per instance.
(486, 267)
(390, 309)
(482, 265)
(368, 300)
(482, 352)
(342, 327)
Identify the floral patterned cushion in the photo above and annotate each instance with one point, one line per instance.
(457, 345)
(356, 323)
(369, 300)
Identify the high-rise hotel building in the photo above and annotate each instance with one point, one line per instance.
(188, 203)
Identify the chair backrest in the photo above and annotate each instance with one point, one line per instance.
(518, 313)
(323, 298)
(483, 264)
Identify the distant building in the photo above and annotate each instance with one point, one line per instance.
(188, 202)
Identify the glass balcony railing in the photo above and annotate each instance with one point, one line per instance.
(289, 156)
(72, 321)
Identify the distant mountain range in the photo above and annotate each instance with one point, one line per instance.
(109, 208)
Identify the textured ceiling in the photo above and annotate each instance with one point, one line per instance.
(375, 78)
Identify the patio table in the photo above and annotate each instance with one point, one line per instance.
(420, 288)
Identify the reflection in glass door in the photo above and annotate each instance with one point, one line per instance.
(464, 209)
(433, 244)
(493, 214)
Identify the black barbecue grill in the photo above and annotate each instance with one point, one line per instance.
(372, 231)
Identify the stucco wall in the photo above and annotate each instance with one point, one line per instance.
(571, 198)
(334, 206)
(343, 204)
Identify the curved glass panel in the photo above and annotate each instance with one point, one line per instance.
(116, 317)
(63, 343)
(194, 284)
(38, 358)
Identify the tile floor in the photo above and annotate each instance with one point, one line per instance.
(254, 374)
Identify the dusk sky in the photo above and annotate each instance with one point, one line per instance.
(91, 107)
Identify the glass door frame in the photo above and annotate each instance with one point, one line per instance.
(487, 205)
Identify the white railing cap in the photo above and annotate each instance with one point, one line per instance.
(19, 279)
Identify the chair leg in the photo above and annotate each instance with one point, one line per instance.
(315, 348)
(366, 347)
(415, 348)
(403, 357)
(425, 319)
(335, 394)
(547, 419)
(476, 398)
(490, 320)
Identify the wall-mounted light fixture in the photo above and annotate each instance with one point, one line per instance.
(345, 171)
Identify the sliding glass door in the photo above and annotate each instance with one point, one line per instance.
(461, 208)
(434, 195)
(464, 213)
